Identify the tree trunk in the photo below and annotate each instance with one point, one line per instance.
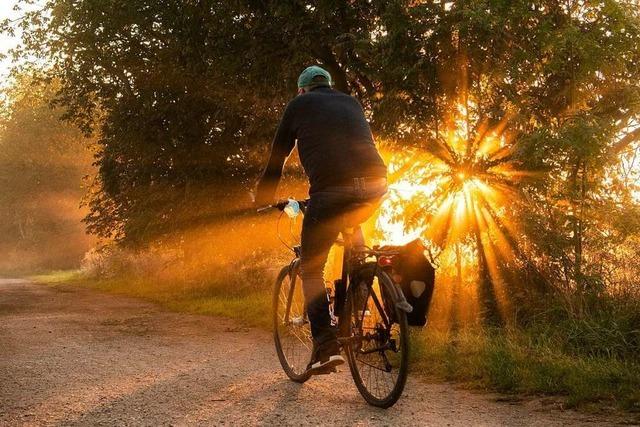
(489, 312)
(454, 315)
(578, 190)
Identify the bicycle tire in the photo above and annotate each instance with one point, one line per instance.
(294, 365)
(388, 297)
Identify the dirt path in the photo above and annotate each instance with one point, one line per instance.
(76, 357)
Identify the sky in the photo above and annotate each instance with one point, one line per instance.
(6, 42)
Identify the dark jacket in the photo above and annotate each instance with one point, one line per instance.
(334, 142)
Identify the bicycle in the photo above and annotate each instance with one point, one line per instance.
(371, 319)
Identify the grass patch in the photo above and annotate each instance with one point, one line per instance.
(251, 307)
(58, 277)
(249, 303)
(258, 315)
(514, 361)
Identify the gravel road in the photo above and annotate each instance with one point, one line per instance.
(72, 356)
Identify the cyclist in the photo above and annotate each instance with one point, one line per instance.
(347, 180)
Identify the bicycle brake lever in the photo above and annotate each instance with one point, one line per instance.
(265, 208)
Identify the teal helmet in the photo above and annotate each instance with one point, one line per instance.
(307, 76)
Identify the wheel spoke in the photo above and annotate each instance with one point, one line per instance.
(293, 329)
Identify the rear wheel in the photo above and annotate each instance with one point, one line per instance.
(378, 351)
(291, 328)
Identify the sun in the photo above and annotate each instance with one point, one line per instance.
(457, 197)
(446, 195)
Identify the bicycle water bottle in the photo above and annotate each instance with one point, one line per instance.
(292, 209)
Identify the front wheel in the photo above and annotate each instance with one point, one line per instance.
(291, 328)
(378, 347)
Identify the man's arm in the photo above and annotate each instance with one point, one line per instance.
(283, 144)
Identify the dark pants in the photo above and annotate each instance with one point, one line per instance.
(328, 213)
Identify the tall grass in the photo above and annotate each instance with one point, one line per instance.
(520, 361)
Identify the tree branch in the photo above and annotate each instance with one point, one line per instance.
(627, 140)
(329, 60)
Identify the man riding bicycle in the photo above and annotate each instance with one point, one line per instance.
(347, 181)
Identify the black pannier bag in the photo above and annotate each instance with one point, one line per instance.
(416, 276)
